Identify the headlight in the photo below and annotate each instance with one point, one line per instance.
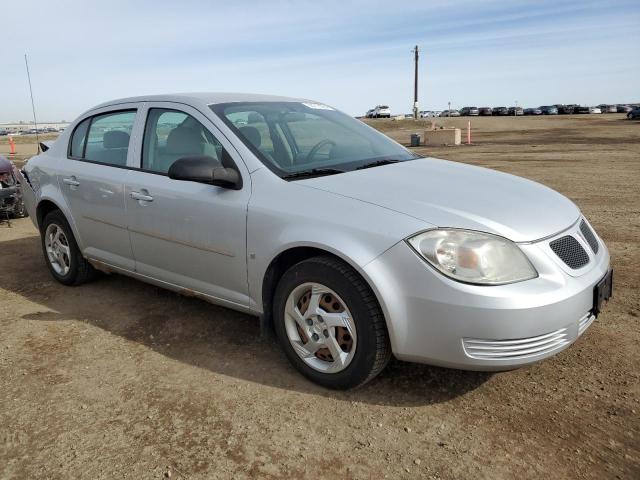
(473, 257)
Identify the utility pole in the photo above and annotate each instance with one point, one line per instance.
(415, 85)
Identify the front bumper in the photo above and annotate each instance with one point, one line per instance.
(433, 319)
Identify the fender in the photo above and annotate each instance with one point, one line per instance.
(275, 225)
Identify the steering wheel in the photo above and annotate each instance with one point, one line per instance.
(316, 148)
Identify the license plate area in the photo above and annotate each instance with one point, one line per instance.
(602, 292)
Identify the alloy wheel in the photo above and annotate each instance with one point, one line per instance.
(320, 327)
(58, 250)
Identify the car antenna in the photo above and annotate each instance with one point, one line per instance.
(33, 106)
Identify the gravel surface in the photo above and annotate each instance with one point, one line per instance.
(119, 379)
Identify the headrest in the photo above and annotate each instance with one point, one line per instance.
(183, 141)
(115, 139)
(252, 134)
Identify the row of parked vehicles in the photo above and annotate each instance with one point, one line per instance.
(31, 131)
(557, 109)
(383, 111)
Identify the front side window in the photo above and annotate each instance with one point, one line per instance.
(291, 138)
(172, 134)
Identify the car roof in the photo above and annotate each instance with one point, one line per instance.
(202, 98)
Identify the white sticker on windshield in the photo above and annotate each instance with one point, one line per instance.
(317, 106)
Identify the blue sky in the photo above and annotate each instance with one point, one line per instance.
(349, 54)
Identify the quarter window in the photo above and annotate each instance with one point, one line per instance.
(76, 149)
(171, 134)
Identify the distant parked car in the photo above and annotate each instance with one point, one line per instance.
(4, 133)
(582, 110)
(428, 114)
(485, 111)
(549, 110)
(449, 113)
(369, 113)
(516, 111)
(634, 114)
(500, 111)
(381, 111)
(469, 112)
(595, 110)
(609, 109)
(532, 111)
(408, 115)
(623, 108)
(565, 109)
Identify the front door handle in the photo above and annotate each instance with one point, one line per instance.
(71, 181)
(141, 196)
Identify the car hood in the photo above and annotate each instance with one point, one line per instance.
(450, 194)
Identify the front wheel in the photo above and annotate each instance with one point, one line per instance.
(329, 324)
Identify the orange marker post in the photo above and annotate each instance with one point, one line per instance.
(12, 146)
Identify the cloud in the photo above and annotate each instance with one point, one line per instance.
(349, 54)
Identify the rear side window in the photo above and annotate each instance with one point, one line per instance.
(108, 138)
(76, 149)
(103, 138)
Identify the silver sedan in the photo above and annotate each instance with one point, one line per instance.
(351, 247)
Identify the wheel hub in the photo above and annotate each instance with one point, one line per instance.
(320, 327)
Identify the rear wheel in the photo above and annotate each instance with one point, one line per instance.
(61, 252)
(329, 324)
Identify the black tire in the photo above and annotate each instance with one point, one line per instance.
(80, 270)
(373, 349)
(19, 210)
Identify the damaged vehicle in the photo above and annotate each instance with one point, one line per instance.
(350, 246)
(11, 201)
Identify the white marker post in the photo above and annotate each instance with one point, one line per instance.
(469, 132)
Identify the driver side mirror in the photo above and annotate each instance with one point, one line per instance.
(203, 169)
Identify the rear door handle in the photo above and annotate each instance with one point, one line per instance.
(141, 196)
(71, 181)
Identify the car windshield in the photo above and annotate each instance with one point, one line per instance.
(294, 138)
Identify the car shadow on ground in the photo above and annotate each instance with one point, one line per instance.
(204, 335)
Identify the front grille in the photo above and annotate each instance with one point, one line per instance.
(589, 236)
(517, 348)
(570, 251)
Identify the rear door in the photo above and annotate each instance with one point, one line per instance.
(92, 181)
(184, 233)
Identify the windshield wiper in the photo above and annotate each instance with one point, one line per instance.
(377, 163)
(313, 172)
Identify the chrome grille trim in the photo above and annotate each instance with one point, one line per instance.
(589, 236)
(515, 348)
(585, 322)
(570, 251)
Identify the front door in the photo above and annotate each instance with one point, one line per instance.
(92, 179)
(188, 234)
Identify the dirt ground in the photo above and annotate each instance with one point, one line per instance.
(119, 379)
